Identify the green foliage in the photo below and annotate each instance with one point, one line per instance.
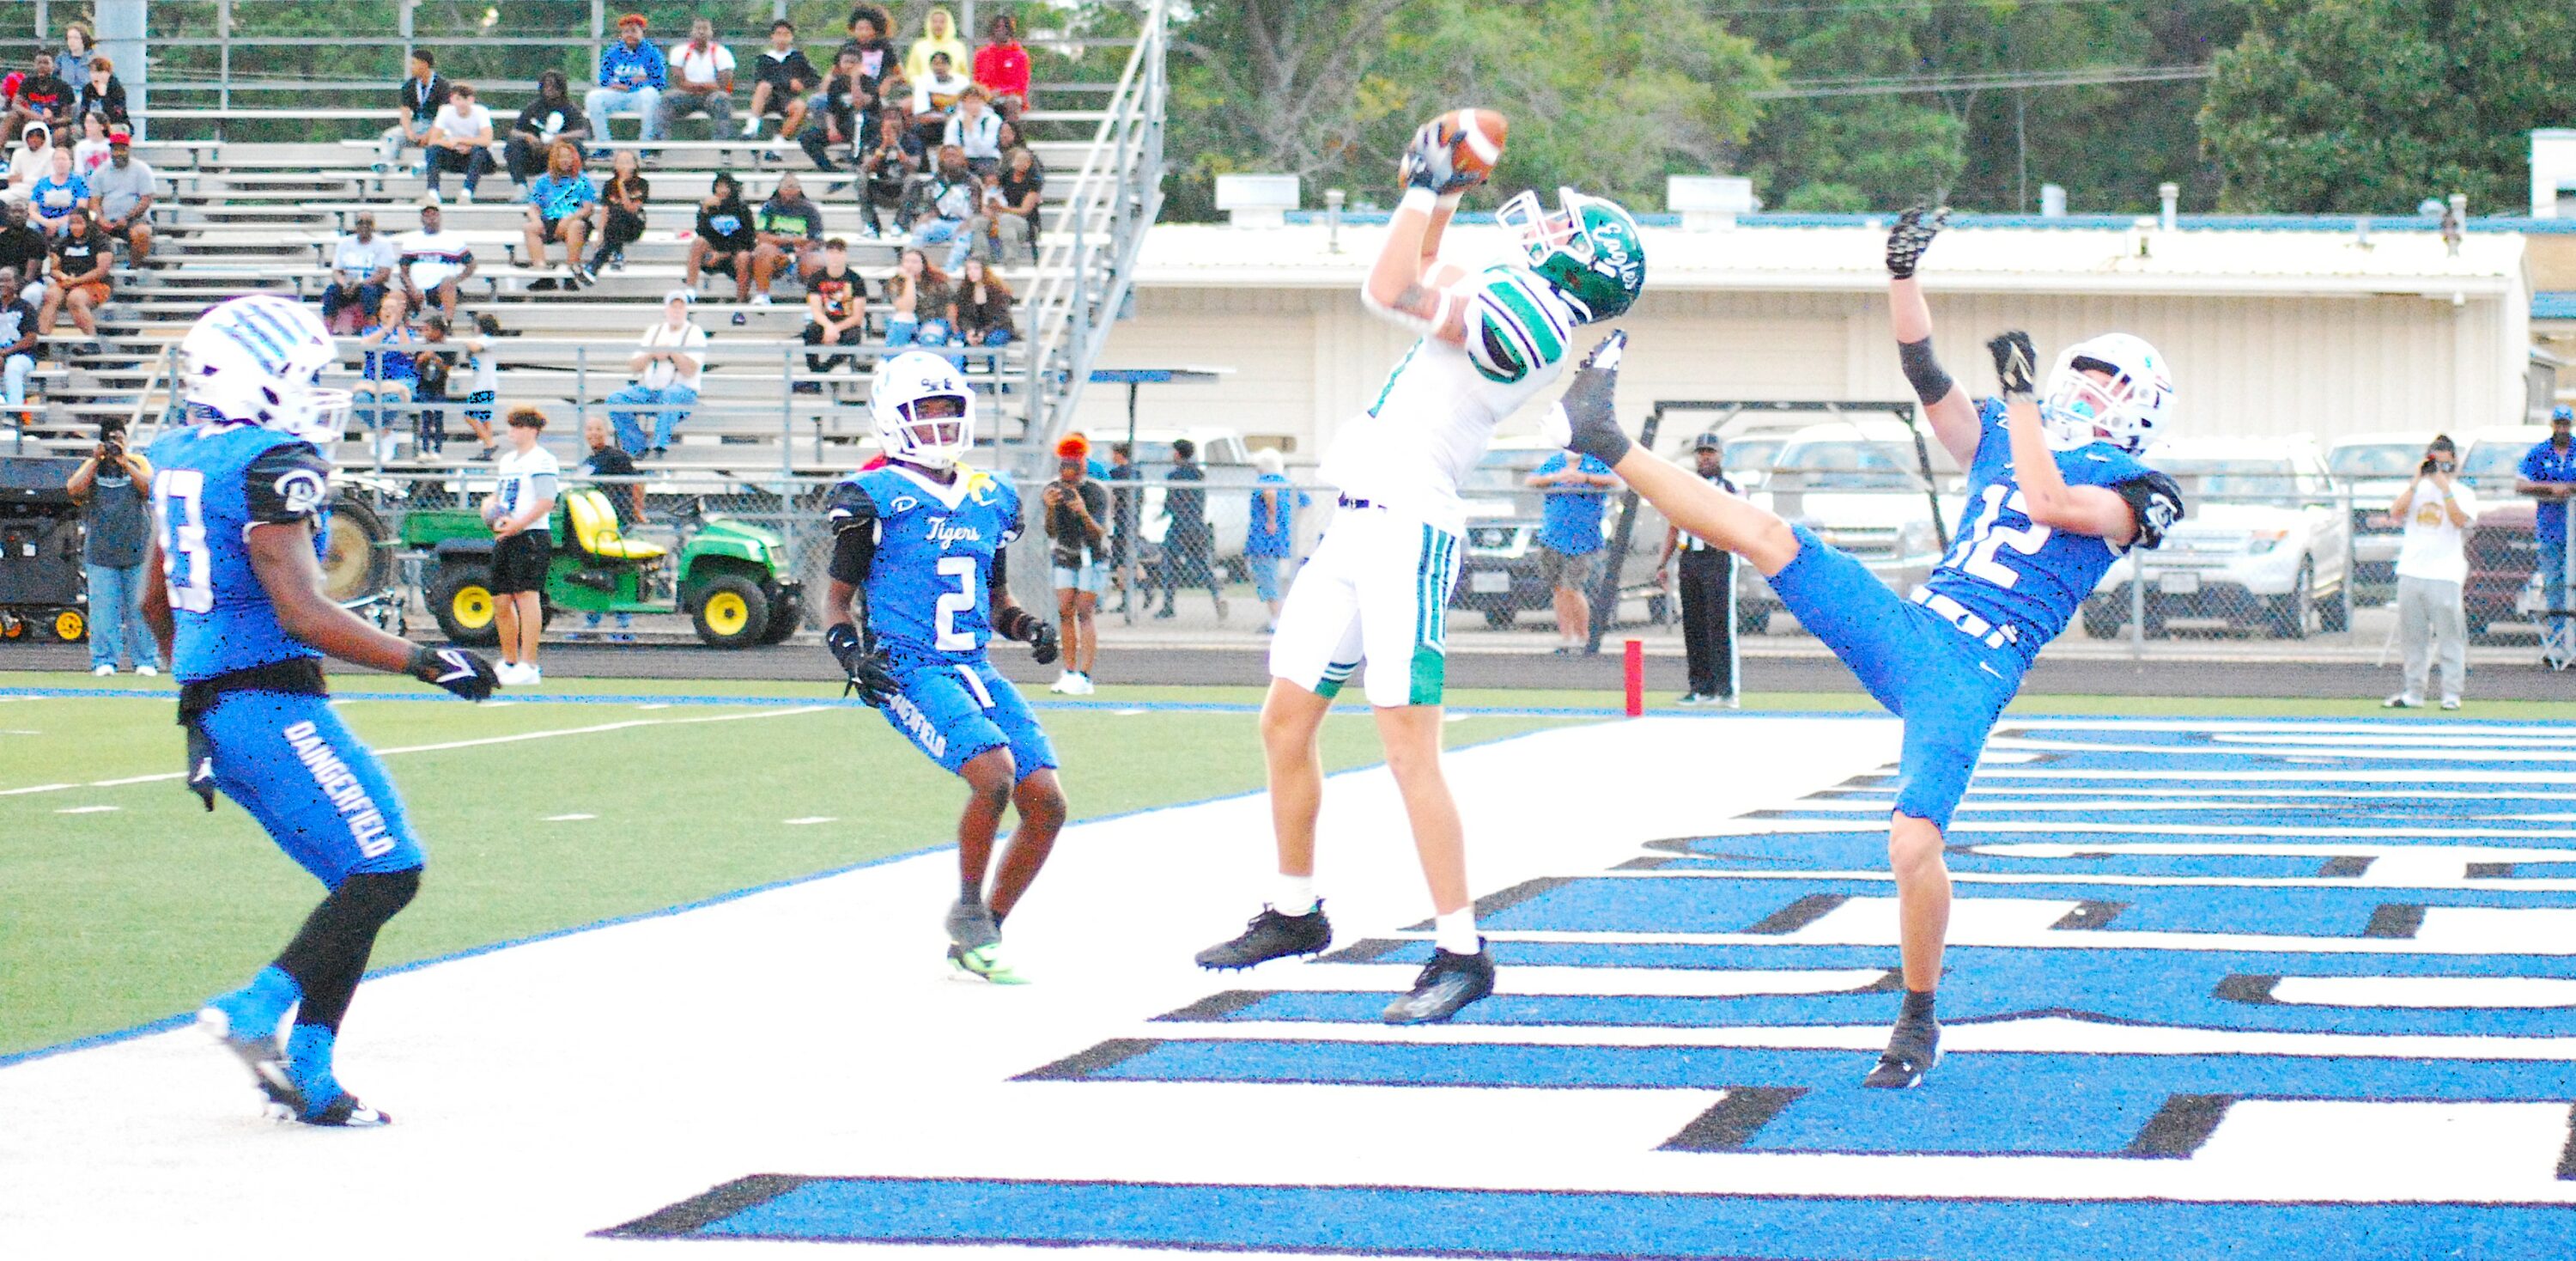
(2373, 105)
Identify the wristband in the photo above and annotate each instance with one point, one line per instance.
(1421, 199)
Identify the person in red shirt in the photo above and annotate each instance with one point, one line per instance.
(1002, 66)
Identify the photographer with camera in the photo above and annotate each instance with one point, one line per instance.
(114, 490)
(2432, 562)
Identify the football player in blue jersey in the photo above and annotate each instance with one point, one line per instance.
(234, 594)
(2055, 494)
(918, 589)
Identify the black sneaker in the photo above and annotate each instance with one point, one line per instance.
(1449, 982)
(1911, 1052)
(544, 284)
(1272, 935)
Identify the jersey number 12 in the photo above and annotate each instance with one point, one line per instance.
(1975, 555)
(178, 505)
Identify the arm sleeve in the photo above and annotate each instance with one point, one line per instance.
(288, 482)
(854, 533)
(999, 588)
(1923, 372)
(2156, 502)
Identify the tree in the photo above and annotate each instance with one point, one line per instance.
(2370, 106)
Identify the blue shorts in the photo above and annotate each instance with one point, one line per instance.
(1947, 688)
(953, 711)
(287, 759)
(1092, 578)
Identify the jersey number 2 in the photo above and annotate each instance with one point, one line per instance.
(1977, 551)
(179, 506)
(952, 603)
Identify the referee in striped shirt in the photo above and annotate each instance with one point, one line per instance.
(1707, 594)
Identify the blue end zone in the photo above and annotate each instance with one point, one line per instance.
(1977, 851)
(1425, 1222)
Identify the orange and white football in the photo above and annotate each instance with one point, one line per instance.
(1474, 139)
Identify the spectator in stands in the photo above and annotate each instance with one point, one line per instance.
(80, 284)
(838, 112)
(621, 214)
(460, 140)
(529, 152)
(976, 130)
(33, 161)
(51, 200)
(114, 490)
(836, 312)
(91, 151)
(888, 169)
(434, 263)
(780, 81)
(666, 365)
(701, 79)
(983, 308)
(121, 196)
(790, 229)
(954, 196)
(72, 63)
(362, 265)
(1011, 220)
(484, 378)
(871, 37)
(1189, 543)
(39, 95)
(559, 204)
(935, 97)
(17, 345)
(632, 76)
(1002, 65)
(923, 306)
(1271, 538)
(938, 39)
(725, 238)
(104, 94)
(25, 251)
(432, 364)
(1569, 539)
(424, 93)
(1077, 511)
(387, 373)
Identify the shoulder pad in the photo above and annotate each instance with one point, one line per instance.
(2155, 501)
(851, 507)
(1514, 324)
(287, 482)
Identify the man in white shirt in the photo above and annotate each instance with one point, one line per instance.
(362, 265)
(666, 366)
(461, 141)
(434, 261)
(522, 503)
(701, 79)
(977, 130)
(2432, 562)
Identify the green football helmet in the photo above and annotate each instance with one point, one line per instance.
(1587, 249)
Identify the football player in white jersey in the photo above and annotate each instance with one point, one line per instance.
(1377, 588)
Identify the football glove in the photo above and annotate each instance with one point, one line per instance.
(1042, 644)
(464, 673)
(870, 674)
(1911, 236)
(201, 765)
(1585, 420)
(2013, 363)
(1427, 164)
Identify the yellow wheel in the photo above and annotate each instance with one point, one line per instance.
(732, 613)
(471, 607)
(70, 627)
(461, 600)
(728, 613)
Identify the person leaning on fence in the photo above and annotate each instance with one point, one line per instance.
(632, 77)
(1271, 538)
(460, 140)
(2548, 474)
(1077, 543)
(17, 347)
(121, 193)
(559, 204)
(1189, 543)
(114, 490)
(780, 80)
(725, 239)
(1706, 597)
(701, 73)
(424, 93)
(1569, 540)
(621, 214)
(666, 366)
(2432, 563)
(550, 119)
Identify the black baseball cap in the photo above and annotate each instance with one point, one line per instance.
(1708, 442)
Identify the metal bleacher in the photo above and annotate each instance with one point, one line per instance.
(245, 215)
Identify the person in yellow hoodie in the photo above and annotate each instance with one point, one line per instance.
(938, 35)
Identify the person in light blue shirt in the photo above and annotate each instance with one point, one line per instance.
(2548, 474)
(632, 75)
(1271, 537)
(1569, 540)
(52, 199)
(556, 204)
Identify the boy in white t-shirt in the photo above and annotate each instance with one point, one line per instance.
(522, 502)
(701, 79)
(2432, 563)
(460, 140)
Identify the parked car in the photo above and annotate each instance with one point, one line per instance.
(2504, 560)
(2491, 459)
(2264, 543)
(2373, 467)
(1859, 485)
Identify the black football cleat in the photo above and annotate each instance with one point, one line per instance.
(1449, 982)
(1272, 935)
(1911, 1052)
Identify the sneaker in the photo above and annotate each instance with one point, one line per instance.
(485, 455)
(740, 319)
(760, 299)
(1690, 700)
(586, 274)
(1271, 935)
(617, 260)
(2448, 702)
(148, 670)
(531, 676)
(1912, 1049)
(431, 197)
(465, 197)
(1081, 685)
(101, 671)
(1449, 982)
(344, 1111)
(975, 944)
(314, 1096)
(2402, 701)
(245, 1023)
(750, 128)
(544, 284)
(1063, 683)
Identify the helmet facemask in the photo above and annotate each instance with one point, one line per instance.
(935, 429)
(1586, 249)
(2111, 388)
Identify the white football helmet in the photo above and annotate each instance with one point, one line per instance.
(2126, 411)
(895, 400)
(259, 360)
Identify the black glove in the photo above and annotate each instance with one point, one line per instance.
(1588, 407)
(1042, 644)
(2014, 363)
(464, 673)
(1911, 236)
(201, 765)
(870, 674)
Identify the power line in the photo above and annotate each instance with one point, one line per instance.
(2090, 76)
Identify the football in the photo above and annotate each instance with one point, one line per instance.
(1474, 139)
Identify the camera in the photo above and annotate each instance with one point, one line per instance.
(2432, 465)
